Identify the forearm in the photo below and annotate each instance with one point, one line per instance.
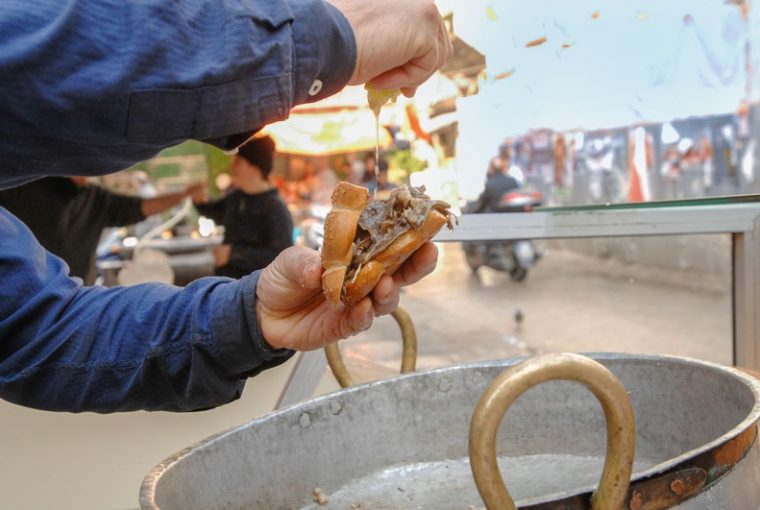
(96, 79)
(156, 205)
(154, 347)
(213, 210)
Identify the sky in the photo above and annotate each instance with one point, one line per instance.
(632, 60)
(605, 63)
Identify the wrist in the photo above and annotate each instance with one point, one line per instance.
(256, 317)
(324, 64)
(261, 318)
(258, 311)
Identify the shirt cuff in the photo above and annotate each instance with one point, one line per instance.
(325, 51)
(242, 348)
(324, 58)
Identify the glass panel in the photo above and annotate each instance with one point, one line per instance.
(656, 295)
(684, 202)
(594, 103)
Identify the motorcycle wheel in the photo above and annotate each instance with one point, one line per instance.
(518, 274)
(474, 260)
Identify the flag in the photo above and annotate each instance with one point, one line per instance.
(638, 167)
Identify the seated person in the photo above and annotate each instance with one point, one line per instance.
(257, 223)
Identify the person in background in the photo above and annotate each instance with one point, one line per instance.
(104, 84)
(382, 178)
(141, 182)
(144, 189)
(345, 171)
(321, 182)
(495, 166)
(257, 223)
(498, 183)
(370, 180)
(223, 183)
(356, 173)
(67, 215)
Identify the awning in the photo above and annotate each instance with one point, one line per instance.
(342, 123)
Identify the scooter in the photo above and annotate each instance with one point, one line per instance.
(512, 257)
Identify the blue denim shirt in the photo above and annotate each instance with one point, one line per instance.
(89, 87)
(92, 86)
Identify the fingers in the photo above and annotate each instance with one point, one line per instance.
(297, 266)
(400, 43)
(407, 77)
(417, 70)
(290, 281)
(357, 318)
(420, 264)
(385, 296)
(311, 275)
(408, 91)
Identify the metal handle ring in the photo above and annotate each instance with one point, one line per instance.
(507, 387)
(408, 357)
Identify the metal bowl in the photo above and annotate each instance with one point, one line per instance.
(403, 443)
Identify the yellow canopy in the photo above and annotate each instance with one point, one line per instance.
(339, 124)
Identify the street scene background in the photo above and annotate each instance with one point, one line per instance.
(570, 302)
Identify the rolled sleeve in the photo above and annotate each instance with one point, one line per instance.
(64, 347)
(246, 358)
(325, 51)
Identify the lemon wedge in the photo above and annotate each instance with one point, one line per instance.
(378, 97)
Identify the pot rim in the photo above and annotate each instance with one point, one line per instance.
(150, 482)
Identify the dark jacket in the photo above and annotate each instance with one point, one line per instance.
(68, 220)
(497, 186)
(257, 226)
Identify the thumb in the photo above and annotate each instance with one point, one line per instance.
(298, 266)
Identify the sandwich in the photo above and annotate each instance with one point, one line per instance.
(365, 240)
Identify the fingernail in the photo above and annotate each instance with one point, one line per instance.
(306, 273)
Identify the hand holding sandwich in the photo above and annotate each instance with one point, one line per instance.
(292, 310)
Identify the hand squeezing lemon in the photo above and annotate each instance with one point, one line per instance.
(378, 97)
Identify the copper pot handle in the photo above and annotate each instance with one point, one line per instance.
(507, 387)
(408, 358)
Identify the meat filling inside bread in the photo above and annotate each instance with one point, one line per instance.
(364, 241)
(383, 221)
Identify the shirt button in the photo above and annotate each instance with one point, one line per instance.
(316, 87)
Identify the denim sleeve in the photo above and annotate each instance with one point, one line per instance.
(109, 83)
(64, 347)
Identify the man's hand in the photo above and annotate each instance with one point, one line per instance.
(197, 192)
(293, 312)
(399, 43)
(222, 254)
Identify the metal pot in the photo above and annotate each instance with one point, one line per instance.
(403, 443)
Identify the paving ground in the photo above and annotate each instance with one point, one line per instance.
(569, 302)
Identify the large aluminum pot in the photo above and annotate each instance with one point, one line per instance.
(402, 443)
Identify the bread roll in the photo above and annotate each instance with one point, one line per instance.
(391, 258)
(364, 241)
(340, 228)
